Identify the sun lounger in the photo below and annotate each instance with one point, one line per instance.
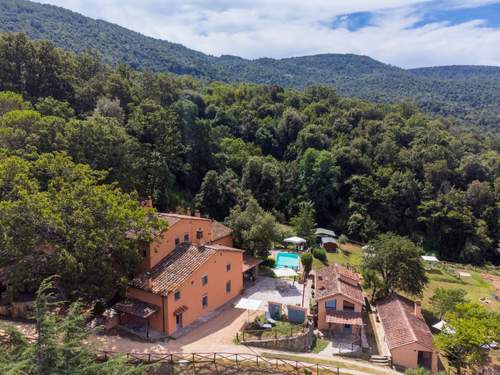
(263, 325)
(270, 320)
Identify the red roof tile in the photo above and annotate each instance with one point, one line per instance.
(330, 282)
(401, 325)
(177, 267)
(174, 269)
(220, 230)
(344, 317)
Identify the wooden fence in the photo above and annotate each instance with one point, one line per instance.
(238, 360)
(269, 334)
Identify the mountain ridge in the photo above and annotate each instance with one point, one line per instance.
(470, 93)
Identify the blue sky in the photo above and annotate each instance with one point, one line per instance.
(407, 33)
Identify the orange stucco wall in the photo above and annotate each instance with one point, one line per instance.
(165, 244)
(192, 289)
(407, 356)
(322, 324)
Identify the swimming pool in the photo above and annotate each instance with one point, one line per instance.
(287, 260)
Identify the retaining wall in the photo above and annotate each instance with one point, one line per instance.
(302, 342)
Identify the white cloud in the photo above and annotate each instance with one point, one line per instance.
(282, 28)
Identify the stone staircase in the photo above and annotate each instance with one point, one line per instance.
(381, 360)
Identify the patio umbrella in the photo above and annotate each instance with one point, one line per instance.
(284, 272)
(430, 258)
(295, 240)
(249, 304)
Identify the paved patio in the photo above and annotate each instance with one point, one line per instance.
(278, 290)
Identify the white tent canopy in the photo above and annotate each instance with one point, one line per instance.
(295, 240)
(249, 304)
(430, 258)
(443, 326)
(284, 272)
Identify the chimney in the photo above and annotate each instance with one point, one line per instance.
(197, 213)
(149, 282)
(148, 202)
(418, 308)
(188, 211)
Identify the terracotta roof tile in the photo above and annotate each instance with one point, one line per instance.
(250, 262)
(401, 325)
(344, 317)
(338, 280)
(220, 230)
(174, 269)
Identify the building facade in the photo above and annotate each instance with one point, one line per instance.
(339, 301)
(188, 271)
(406, 333)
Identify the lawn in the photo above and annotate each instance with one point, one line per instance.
(280, 329)
(445, 276)
(351, 254)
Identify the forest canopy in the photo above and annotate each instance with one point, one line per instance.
(365, 168)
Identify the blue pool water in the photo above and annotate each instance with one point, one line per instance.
(288, 260)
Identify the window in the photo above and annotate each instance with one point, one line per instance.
(204, 280)
(204, 302)
(177, 295)
(199, 234)
(331, 304)
(228, 287)
(177, 242)
(186, 237)
(228, 267)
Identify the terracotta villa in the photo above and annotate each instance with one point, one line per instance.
(188, 271)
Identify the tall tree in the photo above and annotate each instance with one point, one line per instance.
(470, 328)
(59, 218)
(397, 260)
(60, 346)
(255, 230)
(446, 300)
(304, 223)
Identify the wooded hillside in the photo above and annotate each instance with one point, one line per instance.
(367, 168)
(471, 94)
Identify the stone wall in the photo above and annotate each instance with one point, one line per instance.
(302, 342)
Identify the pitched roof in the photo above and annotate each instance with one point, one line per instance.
(220, 230)
(338, 280)
(401, 325)
(324, 232)
(177, 267)
(344, 317)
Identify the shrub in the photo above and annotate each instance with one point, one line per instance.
(270, 262)
(320, 253)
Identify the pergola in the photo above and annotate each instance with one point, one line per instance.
(138, 309)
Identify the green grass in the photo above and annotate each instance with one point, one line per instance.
(319, 345)
(350, 254)
(326, 362)
(281, 329)
(445, 277)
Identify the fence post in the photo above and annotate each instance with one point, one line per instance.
(236, 359)
(317, 369)
(338, 371)
(105, 355)
(275, 333)
(149, 357)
